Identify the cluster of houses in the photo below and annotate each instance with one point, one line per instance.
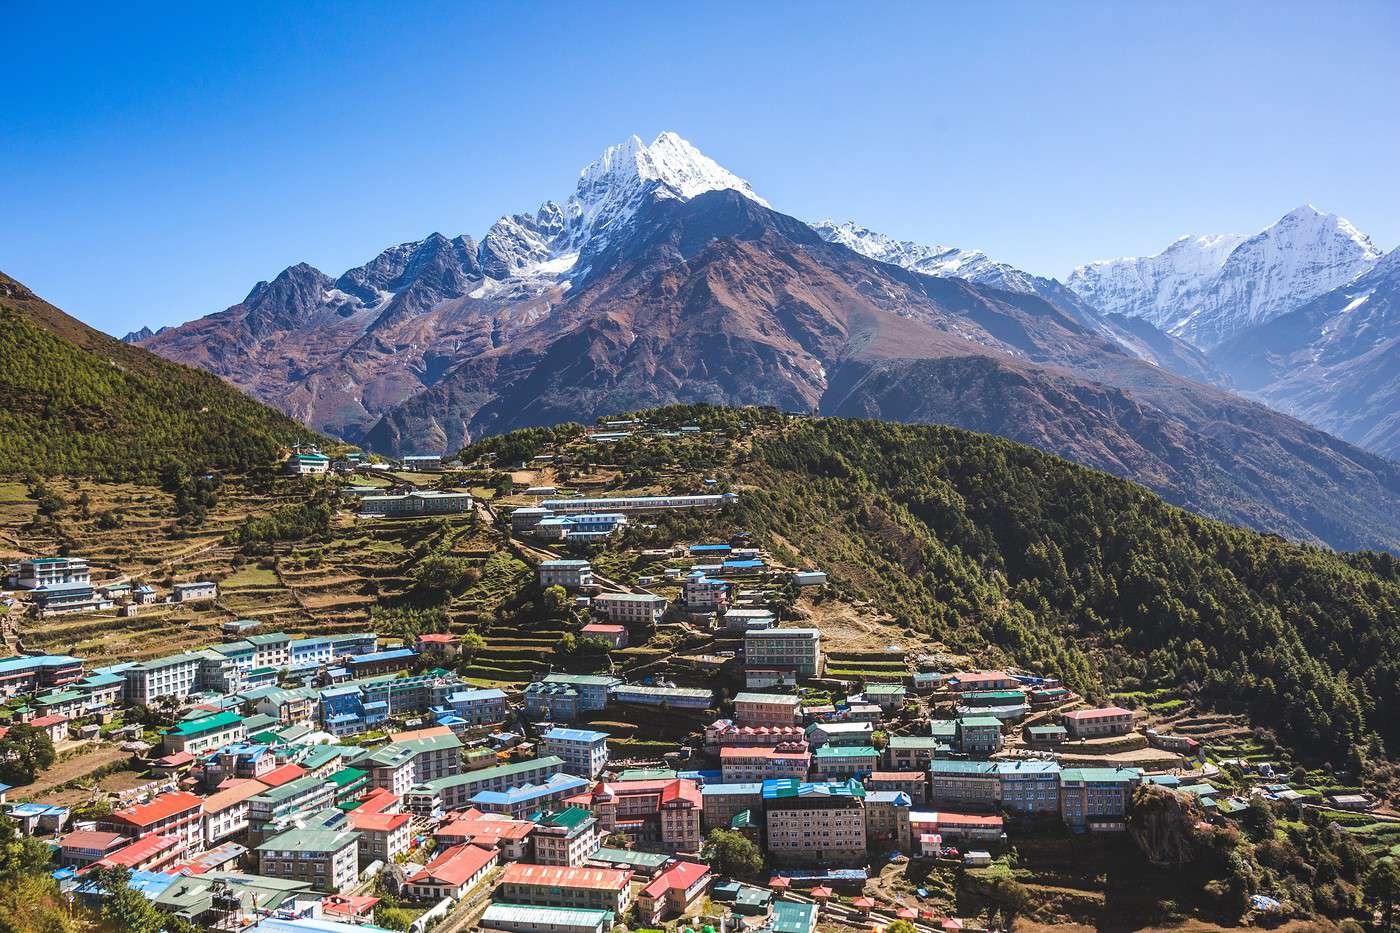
(59, 585)
(310, 461)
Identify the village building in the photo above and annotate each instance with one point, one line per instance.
(704, 594)
(1097, 799)
(455, 792)
(832, 762)
(721, 803)
(197, 736)
(815, 823)
(614, 635)
(662, 813)
(565, 837)
(176, 814)
(522, 918)
(452, 874)
(630, 608)
(519, 802)
(225, 812)
(570, 574)
(559, 886)
(417, 502)
(887, 826)
(979, 735)
(795, 649)
(1093, 723)
(767, 709)
(913, 784)
(673, 892)
(195, 591)
(326, 859)
(740, 764)
(978, 828)
(964, 784)
(584, 751)
(889, 697)
(984, 680)
(383, 836)
(914, 752)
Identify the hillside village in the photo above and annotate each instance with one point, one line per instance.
(557, 685)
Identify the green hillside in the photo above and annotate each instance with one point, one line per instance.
(76, 401)
(977, 542)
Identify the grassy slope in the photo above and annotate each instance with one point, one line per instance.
(74, 400)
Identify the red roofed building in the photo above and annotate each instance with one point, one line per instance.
(439, 643)
(55, 727)
(510, 836)
(759, 763)
(1089, 723)
(969, 827)
(723, 732)
(452, 874)
(673, 891)
(85, 846)
(283, 775)
(614, 635)
(663, 811)
(561, 886)
(148, 854)
(913, 783)
(177, 813)
(348, 908)
(379, 800)
(382, 835)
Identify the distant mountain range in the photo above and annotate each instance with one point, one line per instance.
(664, 277)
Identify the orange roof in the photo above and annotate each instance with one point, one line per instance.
(759, 751)
(230, 794)
(982, 678)
(896, 775)
(43, 722)
(437, 639)
(283, 775)
(681, 875)
(603, 879)
(161, 808)
(348, 905)
(474, 830)
(1096, 713)
(140, 851)
(378, 800)
(378, 822)
(600, 627)
(455, 865)
(419, 733)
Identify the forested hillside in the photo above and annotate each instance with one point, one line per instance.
(75, 401)
(977, 541)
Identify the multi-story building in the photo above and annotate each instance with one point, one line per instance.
(815, 823)
(913, 784)
(767, 709)
(886, 696)
(962, 827)
(674, 697)
(310, 463)
(326, 859)
(478, 707)
(299, 796)
(271, 650)
(614, 635)
(724, 732)
(840, 733)
(1091, 723)
(240, 652)
(979, 735)
(673, 892)
(552, 702)
(437, 753)
(578, 693)
(32, 673)
(454, 792)
(795, 649)
(390, 767)
(655, 814)
(636, 503)
(512, 837)
(630, 608)
(38, 572)
(451, 874)
(418, 502)
(705, 594)
(887, 821)
(197, 736)
(85, 846)
(1097, 798)
(382, 835)
(570, 574)
(290, 706)
(175, 675)
(176, 814)
(566, 837)
(558, 886)
(584, 751)
(983, 680)
(1029, 787)
(740, 764)
(914, 752)
(972, 784)
(225, 812)
(833, 762)
(519, 802)
(522, 918)
(722, 802)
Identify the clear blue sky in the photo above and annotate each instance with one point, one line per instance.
(154, 164)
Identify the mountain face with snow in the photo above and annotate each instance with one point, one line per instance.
(1207, 289)
(663, 277)
(1140, 338)
(1334, 361)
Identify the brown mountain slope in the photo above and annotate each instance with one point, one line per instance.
(719, 299)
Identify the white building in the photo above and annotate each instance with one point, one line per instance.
(196, 591)
(631, 608)
(570, 574)
(584, 751)
(704, 594)
(52, 571)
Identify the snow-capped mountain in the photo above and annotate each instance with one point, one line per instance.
(1206, 289)
(608, 194)
(1139, 338)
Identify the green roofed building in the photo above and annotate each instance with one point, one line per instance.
(844, 761)
(206, 733)
(1097, 799)
(454, 792)
(327, 859)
